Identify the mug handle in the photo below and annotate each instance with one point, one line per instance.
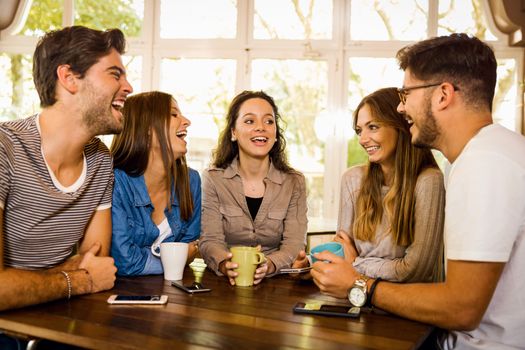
(155, 250)
(260, 258)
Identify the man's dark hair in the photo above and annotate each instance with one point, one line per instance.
(466, 62)
(77, 46)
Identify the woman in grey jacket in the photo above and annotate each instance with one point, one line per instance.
(251, 196)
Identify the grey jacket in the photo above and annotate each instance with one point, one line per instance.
(279, 227)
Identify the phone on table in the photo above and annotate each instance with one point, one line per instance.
(295, 270)
(138, 299)
(191, 288)
(327, 310)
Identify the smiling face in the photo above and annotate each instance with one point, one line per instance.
(418, 112)
(103, 92)
(378, 139)
(255, 129)
(178, 130)
(176, 133)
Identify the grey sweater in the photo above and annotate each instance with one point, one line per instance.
(421, 261)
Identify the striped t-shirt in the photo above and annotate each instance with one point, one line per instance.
(43, 223)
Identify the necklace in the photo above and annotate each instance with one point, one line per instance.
(252, 186)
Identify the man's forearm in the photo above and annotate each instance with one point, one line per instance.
(20, 288)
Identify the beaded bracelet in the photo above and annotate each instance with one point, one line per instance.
(68, 279)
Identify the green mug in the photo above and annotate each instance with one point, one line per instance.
(247, 259)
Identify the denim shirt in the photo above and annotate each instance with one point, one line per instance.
(134, 231)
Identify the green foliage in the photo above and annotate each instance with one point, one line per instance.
(356, 154)
(107, 14)
(299, 100)
(46, 15)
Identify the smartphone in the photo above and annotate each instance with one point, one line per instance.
(138, 299)
(327, 310)
(296, 270)
(193, 288)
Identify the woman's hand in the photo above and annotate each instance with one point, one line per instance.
(193, 249)
(300, 261)
(348, 245)
(266, 268)
(227, 268)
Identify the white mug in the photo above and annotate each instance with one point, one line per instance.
(173, 256)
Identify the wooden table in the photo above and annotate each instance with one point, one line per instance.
(228, 317)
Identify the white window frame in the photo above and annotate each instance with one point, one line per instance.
(336, 52)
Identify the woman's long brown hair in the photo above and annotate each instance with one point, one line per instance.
(145, 114)
(410, 161)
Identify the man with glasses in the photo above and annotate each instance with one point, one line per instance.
(447, 98)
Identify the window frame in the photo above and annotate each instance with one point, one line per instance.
(336, 52)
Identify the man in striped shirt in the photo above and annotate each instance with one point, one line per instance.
(56, 177)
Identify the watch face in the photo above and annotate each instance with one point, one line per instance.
(357, 297)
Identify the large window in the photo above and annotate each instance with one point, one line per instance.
(317, 58)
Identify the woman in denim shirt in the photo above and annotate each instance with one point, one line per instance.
(156, 197)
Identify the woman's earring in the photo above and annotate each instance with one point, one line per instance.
(233, 139)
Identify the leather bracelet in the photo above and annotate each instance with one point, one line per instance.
(68, 280)
(372, 290)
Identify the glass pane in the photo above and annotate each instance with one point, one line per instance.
(293, 19)
(203, 88)
(299, 88)
(466, 16)
(127, 15)
(18, 96)
(198, 19)
(505, 108)
(388, 19)
(366, 75)
(133, 66)
(44, 15)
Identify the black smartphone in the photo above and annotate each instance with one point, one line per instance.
(327, 310)
(192, 288)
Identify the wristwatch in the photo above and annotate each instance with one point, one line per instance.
(357, 293)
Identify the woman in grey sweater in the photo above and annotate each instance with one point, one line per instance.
(392, 209)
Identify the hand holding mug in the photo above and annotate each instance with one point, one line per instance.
(334, 278)
(227, 268)
(348, 245)
(248, 259)
(332, 247)
(265, 268)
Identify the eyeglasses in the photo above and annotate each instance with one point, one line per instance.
(402, 92)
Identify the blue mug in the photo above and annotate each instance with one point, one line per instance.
(333, 247)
